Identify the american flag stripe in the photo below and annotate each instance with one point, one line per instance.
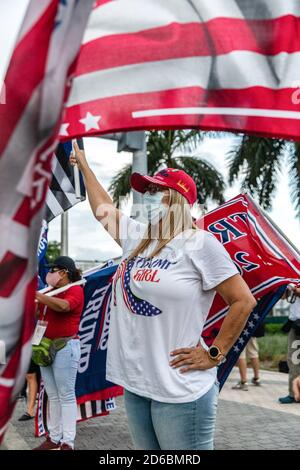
(16, 318)
(14, 237)
(29, 125)
(209, 64)
(32, 72)
(146, 101)
(12, 269)
(157, 13)
(122, 111)
(26, 155)
(145, 77)
(33, 14)
(144, 44)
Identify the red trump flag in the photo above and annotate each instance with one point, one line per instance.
(264, 258)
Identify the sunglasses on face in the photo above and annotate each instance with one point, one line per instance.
(153, 189)
(55, 270)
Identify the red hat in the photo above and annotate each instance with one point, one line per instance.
(167, 178)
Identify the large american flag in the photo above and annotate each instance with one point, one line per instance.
(209, 64)
(35, 85)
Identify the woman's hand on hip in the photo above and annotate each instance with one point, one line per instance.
(191, 359)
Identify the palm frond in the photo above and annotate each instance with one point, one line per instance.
(294, 175)
(257, 160)
(161, 146)
(187, 141)
(120, 185)
(210, 182)
(236, 158)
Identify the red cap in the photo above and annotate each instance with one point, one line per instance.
(167, 178)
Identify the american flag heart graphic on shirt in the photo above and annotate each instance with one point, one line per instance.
(134, 304)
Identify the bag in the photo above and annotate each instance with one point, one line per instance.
(260, 331)
(296, 327)
(44, 353)
(283, 367)
(287, 327)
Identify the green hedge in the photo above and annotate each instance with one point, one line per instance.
(273, 348)
(274, 329)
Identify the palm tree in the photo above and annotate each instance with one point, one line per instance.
(175, 149)
(259, 161)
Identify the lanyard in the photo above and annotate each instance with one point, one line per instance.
(40, 329)
(44, 312)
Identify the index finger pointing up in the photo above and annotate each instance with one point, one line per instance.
(75, 146)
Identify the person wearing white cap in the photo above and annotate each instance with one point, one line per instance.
(162, 293)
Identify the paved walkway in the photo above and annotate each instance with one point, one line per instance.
(246, 420)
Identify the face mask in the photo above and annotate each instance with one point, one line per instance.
(52, 279)
(155, 209)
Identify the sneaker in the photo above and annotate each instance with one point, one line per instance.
(48, 445)
(287, 400)
(25, 417)
(65, 446)
(241, 386)
(256, 382)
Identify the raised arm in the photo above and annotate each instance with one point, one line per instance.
(99, 199)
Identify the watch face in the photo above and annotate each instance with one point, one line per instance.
(214, 352)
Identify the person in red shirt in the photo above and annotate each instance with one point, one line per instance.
(62, 313)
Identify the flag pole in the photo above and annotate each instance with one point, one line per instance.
(64, 227)
(76, 176)
(50, 291)
(139, 165)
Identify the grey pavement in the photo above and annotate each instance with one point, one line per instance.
(246, 420)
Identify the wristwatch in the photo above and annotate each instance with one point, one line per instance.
(216, 355)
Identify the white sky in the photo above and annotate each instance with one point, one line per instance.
(88, 240)
(11, 14)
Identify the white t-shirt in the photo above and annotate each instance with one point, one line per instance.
(295, 310)
(162, 306)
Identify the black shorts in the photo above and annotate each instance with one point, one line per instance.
(33, 368)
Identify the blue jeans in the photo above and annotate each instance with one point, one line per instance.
(172, 426)
(59, 380)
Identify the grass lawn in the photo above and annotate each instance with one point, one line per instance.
(272, 349)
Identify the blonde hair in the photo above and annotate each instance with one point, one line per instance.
(177, 219)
